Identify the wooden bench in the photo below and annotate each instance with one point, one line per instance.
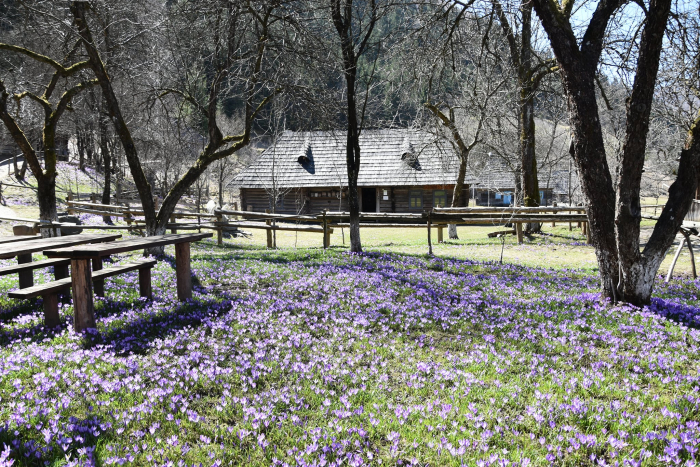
(49, 291)
(60, 267)
(23, 251)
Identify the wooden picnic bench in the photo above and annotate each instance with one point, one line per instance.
(49, 291)
(23, 250)
(18, 238)
(82, 277)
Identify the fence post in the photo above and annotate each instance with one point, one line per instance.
(430, 243)
(220, 229)
(127, 215)
(587, 231)
(173, 220)
(269, 230)
(326, 235)
(519, 231)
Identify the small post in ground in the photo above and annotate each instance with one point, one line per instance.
(430, 243)
(439, 229)
(326, 235)
(519, 231)
(220, 229)
(268, 230)
(587, 231)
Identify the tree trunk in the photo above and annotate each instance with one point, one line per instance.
(457, 194)
(81, 143)
(528, 159)
(354, 206)
(626, 273)
(46, 195)
(107, 160)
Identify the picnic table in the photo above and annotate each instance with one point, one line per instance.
(29, 244)
(81, 274)
(18, 238)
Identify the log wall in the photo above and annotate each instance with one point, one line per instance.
(315, 200)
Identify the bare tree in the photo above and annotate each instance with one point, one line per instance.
(67, 73)
(233, 41)
(614, 211)
(355, 22)
(464, 98)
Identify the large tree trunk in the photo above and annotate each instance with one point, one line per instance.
(594, 173)
(626, 273)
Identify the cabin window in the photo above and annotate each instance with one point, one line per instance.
(439, 198)
(385, 195)
(415, 199)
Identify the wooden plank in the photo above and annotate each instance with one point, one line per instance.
(106, 249)
(32, 246)
(96, 205)
(501, 232)
(26, 275)
(385, 226)
(83, 306)
(182, 271)
(675, 259)
(28, 266)
(300, 228)
(18, 238)
(65, 283)
(24, 219)
(145, 287)
(262, 215)
(510, 210)
(98, 284)
(51, 316)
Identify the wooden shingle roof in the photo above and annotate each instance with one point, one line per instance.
(394, 157)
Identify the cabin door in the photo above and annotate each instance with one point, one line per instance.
(369, 200)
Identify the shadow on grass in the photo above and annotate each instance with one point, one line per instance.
(171, 261)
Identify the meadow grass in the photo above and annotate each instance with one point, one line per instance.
(312, 357)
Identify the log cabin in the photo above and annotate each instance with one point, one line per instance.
(401, 170)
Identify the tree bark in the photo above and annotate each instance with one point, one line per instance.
(531, 190)
(457, 198)
(107, 161)
(614, 212)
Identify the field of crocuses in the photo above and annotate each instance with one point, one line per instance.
(302, 357)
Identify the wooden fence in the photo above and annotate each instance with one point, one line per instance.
(223, 221)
